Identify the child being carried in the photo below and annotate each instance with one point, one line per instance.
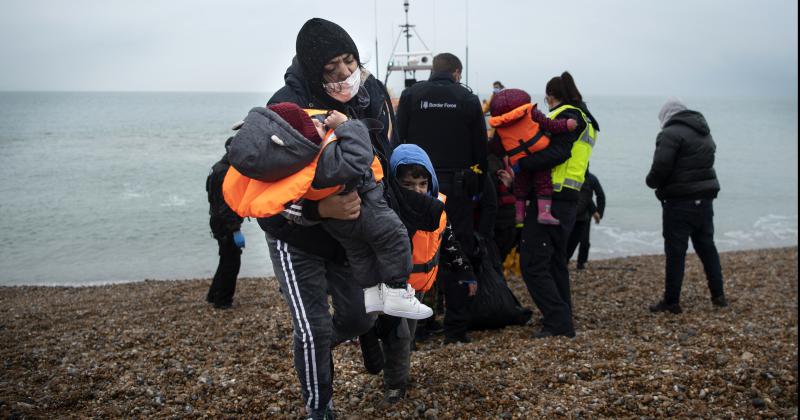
(521, 127)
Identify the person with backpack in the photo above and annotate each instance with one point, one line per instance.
(225, 227)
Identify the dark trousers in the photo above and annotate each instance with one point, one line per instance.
(456, 298)
(579, 236)
(684, 219)
(506, 239)
(460, 213)
(224, 284)
(543, 262)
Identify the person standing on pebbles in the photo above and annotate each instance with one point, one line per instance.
(686, 185)
(543, 247)
(326, 74)
(225, 225)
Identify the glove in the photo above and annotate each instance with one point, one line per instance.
(238, 238)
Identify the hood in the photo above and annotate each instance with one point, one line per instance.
(409, 154)
(669, 109)
(692, 119)
(267, 148)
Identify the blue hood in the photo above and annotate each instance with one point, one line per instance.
(409, 154)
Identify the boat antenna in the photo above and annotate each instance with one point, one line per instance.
(466, 35)
(410, 61)
(377, 59)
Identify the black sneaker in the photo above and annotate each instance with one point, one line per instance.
(223, 306)
(719, 301)
(324, 414)
(459, 338)
(371, 351)
(433, 326)
(662, 306)
(581, 266)
(393, 396)
(422, 334)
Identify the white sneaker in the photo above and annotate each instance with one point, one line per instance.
(402, 303)
(373, 299)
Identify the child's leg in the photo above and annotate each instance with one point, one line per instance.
(387, 237)
(521, 191)
(543, 185)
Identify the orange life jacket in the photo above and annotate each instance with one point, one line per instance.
(425, 256)
(519, 134)
(253, 198)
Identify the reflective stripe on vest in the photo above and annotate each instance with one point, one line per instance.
(425, 254)
(572, 173)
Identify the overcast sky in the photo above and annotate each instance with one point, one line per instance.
(631, 47)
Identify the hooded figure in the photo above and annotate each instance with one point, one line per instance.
(670, 108)
(683, 163)
(410, 154)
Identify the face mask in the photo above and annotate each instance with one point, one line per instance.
(346, 90)
(497, 89)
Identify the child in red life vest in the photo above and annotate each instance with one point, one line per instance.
(521, 128)
(414, 171)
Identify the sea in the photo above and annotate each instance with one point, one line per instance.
(100, 188)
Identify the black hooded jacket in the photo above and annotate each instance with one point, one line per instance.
(683, 163)
(446, 120)
(371, 105)
(223, 220)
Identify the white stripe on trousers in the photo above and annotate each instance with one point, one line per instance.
(302, 322)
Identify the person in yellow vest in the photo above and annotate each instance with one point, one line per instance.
(414, 171)
(523, 130)
(543, 248)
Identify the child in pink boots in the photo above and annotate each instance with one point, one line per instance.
(521, 128)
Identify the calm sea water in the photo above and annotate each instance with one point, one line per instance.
(110, 187)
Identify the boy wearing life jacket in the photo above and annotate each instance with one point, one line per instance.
(376, 243)
(414, 171)
(521, 128)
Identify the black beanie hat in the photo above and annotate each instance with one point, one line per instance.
(319, 41)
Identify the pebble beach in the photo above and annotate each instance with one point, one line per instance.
(155, 349)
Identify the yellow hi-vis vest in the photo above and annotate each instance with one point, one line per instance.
(572, 173)
(425, 256)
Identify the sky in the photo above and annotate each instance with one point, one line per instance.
(611, 47)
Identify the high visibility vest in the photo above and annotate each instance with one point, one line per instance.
(250, 197)
(425, 256)
(572, 173)
(519, 134)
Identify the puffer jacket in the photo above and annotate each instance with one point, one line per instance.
(683, 163)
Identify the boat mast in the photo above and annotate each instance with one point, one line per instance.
(410, 61)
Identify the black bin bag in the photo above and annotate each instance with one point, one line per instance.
(494, 306)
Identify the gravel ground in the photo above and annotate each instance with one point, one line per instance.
(156, 349)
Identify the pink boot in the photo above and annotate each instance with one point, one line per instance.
(519, 217)
(545, 217)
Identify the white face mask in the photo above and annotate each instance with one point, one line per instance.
(346, 90)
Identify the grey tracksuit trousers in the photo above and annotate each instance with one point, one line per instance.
(306, 280)
(377, 244)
